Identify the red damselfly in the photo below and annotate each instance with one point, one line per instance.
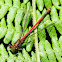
(19, 41)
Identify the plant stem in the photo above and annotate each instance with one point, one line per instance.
(36, 38)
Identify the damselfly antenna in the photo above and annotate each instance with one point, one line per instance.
(19, 41)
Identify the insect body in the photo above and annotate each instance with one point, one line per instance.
(19, 41)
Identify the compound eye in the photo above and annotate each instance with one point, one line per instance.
(10, 45)
(16, 48)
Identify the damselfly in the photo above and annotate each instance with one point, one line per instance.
(19, 41)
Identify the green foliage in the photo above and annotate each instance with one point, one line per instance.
(40, 4)
(13, 12)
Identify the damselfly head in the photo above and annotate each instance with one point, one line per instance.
(10, 45)
(13, 48)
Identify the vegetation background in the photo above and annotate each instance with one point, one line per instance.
(17, 17)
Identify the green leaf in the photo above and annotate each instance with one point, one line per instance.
(40, 4)
(3, 10)
(56, 3)
(25, 1)
(48, 3)
(43, 55)
(26, 56)
(16, 3)
(3, 53)
(34, 58)
(55, 18)
(20, 58)
(8, 2)
(1, 2)
(11, 15)
(3, 28)
(49, 52)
